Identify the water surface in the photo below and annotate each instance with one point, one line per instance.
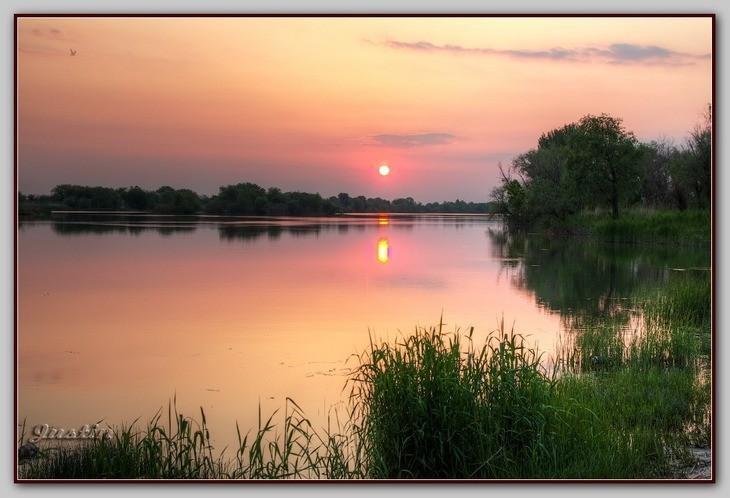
(117, 314)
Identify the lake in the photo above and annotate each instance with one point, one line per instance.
(119, 313)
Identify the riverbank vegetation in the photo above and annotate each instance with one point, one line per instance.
(612, 402)
(236, 200)
(593, 170)
(691, 227)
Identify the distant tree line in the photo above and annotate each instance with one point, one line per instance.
(361, 204)
(164, 200)
(239, 199)
(596, 163)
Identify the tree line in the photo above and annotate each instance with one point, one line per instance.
(238, 199)
(596, 163)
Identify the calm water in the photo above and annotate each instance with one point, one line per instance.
(118, 314)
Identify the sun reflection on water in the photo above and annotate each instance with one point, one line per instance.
(383, 251)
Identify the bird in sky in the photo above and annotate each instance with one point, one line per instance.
(73, 52)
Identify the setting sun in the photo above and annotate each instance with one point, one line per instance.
(384, 170)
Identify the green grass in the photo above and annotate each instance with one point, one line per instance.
(436, 405)
(433, 405)
(691, 227)
(182, 449)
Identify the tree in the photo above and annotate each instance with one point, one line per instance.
(170, 201)
(275, 195)
(605, 155)
(654, 168)
(82, 197)
(691, 168)
(186, 202)
(359, 204)
(510, 196)
(344, 200)
(554, 187)
(591, 163)
(407, 205)
(135, 198)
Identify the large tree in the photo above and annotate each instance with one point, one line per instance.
(606, 156)
(591, 163)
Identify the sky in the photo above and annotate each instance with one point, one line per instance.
(318, 104)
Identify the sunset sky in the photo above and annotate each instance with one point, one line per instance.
(318, 104)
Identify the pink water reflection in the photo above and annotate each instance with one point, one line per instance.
(112, 324)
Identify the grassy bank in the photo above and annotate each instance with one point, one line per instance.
(610, 404)
(613, 406)
(690, 227)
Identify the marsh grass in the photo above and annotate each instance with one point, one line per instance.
(690, 227)
(283, 446)
(434, 404)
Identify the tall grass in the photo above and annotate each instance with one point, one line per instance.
(691, 227)
(178, 450)
(182, 449)
(434, 404)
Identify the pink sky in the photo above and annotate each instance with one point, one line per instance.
(319, 104)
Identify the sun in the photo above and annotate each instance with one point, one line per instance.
(384, 170)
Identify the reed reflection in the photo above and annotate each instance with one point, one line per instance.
(586, 280)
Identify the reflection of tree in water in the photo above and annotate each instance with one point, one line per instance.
(88, 228)
(226, 231)
(229, 228)
(233, 233)
(585, 280)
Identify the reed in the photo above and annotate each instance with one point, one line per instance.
(688, 228)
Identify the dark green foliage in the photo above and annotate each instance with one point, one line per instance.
(511, 200)
(79, 197)
(242, 199)
(167, 200)
(581, 165)
(685, 228)
(35, 206)
(361, 204)
(656, 180)
(251, 199)
(605, 157)
(596, 164)
(691, 167)
(137, 199)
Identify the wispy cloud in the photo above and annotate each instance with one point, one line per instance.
(616, 53)
(49, 33)
(44, 40)
(414, 140)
